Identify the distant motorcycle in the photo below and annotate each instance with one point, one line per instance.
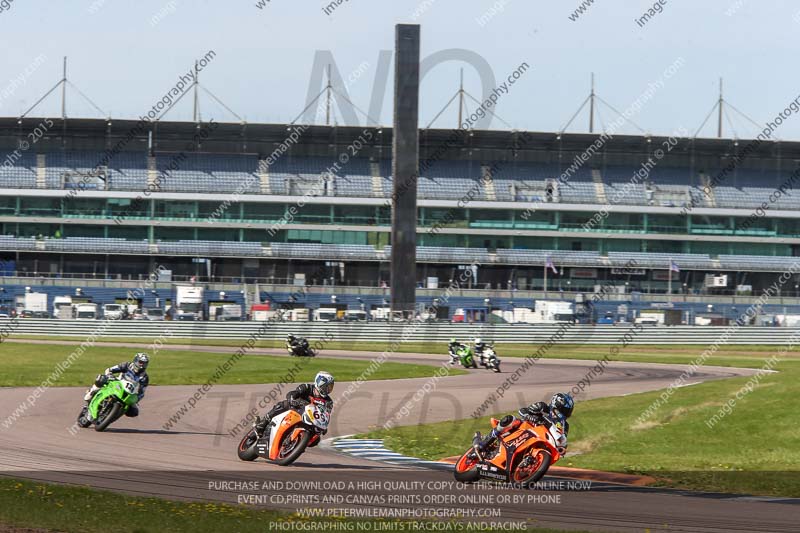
(301, 349)
(490, 360)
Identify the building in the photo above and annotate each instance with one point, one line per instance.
(289, 205)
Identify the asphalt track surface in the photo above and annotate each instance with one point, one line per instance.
(196, 458)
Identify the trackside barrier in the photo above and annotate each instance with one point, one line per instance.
(389, 332)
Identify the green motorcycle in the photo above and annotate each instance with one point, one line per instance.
(111, 402)
(466, 357)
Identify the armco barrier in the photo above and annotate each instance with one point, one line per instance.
(412, 332)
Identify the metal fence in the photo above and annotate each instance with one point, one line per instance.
(388, 333)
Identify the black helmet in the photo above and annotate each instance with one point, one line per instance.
(562, 404)
(289, 337)
(140, 362)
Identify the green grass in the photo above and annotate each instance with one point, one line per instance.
(74, 509)
(734, 355)
(755, 449)
(30, 364)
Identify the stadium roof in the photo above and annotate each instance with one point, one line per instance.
(100, 134)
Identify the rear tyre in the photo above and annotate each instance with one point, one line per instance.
(466, 469)
(533, 472)
(107, 415)
(293, 449)
(247, 447)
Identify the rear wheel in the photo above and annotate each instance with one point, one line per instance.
(247, 447)
(107, 414)
(532, 467)
(466, 469)
(290, 449)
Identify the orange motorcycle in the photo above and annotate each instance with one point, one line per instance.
(521, 453)
(288, 435)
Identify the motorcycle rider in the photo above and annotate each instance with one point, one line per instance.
(452, 350)
(479, 346)
(539, 414)
(300, 397)
(298, 345)
(138, 367)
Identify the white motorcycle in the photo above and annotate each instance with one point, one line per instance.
(489, 359)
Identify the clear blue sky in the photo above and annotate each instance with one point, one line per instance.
(125, 63)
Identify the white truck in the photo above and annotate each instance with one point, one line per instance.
(35, 301)
(381, 313)
(324, 314)
(518, 315)
(553, 312)
(86, 312)
(188, 303)
(299, 314)
(230, 312)
(355, 315)
(62, 307)
(112, 311)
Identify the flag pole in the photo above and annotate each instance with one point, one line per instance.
(669, 282)
(545, 278)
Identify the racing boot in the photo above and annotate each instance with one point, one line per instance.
(480, 443)
(262, 425)
(90, 394)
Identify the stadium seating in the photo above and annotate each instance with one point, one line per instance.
(444, 179)
(22, 172)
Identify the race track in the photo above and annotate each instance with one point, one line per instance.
(196, 458)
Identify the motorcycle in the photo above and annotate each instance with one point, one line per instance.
(490, 360)
(302, 349)
(521, 454)
(466, 358)
(288, 434)
(110, 402)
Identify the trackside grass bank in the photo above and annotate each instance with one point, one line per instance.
(74, 509)
(27, 365)
(734, 355)
(696, 439)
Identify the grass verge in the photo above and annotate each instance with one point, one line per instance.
(734, 355)
(753, 449)
(26, 365)
(73, 509)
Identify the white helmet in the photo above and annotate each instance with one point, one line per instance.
(323, 382)
(478, 340)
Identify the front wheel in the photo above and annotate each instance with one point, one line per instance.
(466, 469)
(247, 447)
(497, 367)
(83, 420)
(290, 449)
(532, 467)
(107, 414)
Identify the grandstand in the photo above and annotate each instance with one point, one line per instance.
(263, 219)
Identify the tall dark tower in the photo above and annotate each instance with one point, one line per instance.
(405, 169)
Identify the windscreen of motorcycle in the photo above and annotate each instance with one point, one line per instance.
(130, 383)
